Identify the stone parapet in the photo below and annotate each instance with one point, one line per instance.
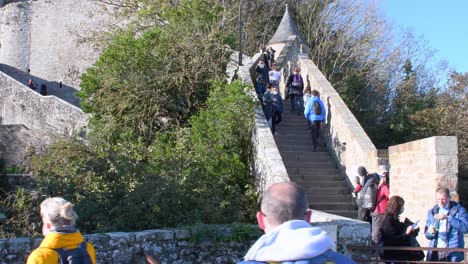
(170, 246)
(418, 168)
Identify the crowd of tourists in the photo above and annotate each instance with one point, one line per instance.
(303, 100)
(446, 223)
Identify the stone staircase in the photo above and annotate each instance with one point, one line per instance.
(327, 190)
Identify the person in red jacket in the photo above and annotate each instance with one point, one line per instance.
(383, 194)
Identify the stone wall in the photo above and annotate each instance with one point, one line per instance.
(347, 140)
(170, 246)
(418, 168)
(54, 39)
(46, 114)
(267, 164)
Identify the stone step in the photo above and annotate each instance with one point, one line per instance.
(329, 198)
(344, 206)
(325, 190)
(307, 171)
(301, 148)
(321, 156)
(348, 214)
(309, 164)
(331, 177)
(309, 185)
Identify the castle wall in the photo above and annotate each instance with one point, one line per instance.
(46, 115)
(418, 168)
(53, 39)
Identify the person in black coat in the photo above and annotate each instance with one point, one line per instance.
(398, 234)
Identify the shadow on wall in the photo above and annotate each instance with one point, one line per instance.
(64, 92)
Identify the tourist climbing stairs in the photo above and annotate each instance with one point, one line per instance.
(316, 171)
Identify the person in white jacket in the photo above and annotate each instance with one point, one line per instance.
(289, 237)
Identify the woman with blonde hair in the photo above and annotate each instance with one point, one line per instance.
(61, 238)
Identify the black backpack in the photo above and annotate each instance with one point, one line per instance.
(317, 108)
(77, 255)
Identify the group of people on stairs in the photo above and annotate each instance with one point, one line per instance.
(303, 100)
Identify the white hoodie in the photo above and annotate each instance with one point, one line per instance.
(292, 240)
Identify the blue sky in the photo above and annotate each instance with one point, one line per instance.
(443, 23)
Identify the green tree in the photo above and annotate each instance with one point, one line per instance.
(156, 80)
(449, 117)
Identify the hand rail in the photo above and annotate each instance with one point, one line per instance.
(375, 258)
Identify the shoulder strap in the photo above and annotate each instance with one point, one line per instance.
(64, 253)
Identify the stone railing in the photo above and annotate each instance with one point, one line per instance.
(418, 168)
(46, 114)
(267, 164)
(170, 246)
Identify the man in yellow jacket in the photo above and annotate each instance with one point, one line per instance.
(60, 234)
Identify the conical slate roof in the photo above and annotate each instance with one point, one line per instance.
(286, 28)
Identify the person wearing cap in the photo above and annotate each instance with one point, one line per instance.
(383, 194)
(382, 171)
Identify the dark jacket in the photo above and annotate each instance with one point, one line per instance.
(394, 234)
(295, 88)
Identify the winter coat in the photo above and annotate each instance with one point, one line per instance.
(45, 253)
(457, 226)
(295, 89)
(383, 195)
(309, 110)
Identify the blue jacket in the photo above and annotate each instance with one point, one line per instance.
(329, 255)
(309, 110)
(457, 225)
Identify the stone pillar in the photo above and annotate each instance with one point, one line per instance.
(418, 168)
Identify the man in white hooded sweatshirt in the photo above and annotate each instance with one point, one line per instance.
(289, 237)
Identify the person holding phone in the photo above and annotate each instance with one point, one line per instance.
(446, 224)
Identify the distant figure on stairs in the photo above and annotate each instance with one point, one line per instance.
(289, 237)
(275, 76)
(261, 79)
(315, 113)
(295, 85)
(32, 85)
(277, 110)
(43, 90)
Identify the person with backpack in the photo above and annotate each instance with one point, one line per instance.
(289, 237)
(295, 85)
(315, 113)
(62, 243)
(367, 195)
